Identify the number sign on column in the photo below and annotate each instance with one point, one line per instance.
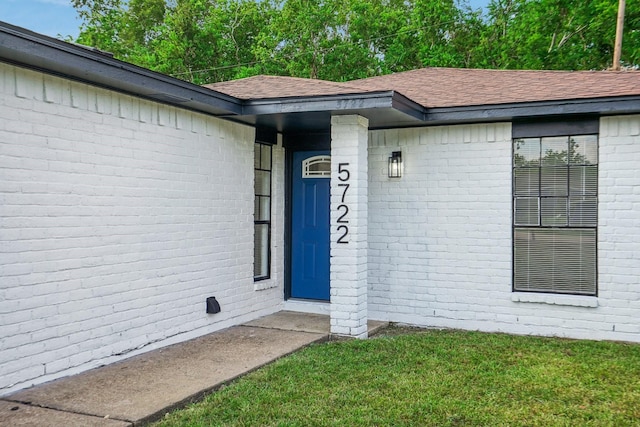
(343, 208)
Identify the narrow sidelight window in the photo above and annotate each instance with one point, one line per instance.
(262, 212)
(555, 214)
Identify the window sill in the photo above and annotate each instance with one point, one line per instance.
(264, 284)
(571, 300)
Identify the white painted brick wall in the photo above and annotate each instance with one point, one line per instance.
(119, 216)
(437, 246)
(440, 237)
(349, 260)
(619, 226)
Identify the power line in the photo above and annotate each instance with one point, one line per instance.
(304, 52)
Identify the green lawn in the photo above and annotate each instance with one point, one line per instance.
(434, 378)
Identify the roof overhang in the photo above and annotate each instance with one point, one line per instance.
(25, 48)
(508, 112)
(390, 109)
(312, 113)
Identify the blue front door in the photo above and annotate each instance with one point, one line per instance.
(310, 225)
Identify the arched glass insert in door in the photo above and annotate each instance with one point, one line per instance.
(316, 167)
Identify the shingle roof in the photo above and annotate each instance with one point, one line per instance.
(448, 87)
(262, 87)
(452, 87)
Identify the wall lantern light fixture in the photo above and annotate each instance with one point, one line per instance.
(395, 164)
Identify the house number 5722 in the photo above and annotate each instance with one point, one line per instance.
(343, 208)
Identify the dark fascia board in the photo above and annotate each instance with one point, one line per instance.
(368, 103)
(25, 48)
(508, 112)
(28, 49)
(343, 103)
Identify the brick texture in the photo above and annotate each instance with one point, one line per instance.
(349, 259)
(119, 216)
(619, 227)
(440, 237)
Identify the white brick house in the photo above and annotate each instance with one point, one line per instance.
(129, 198)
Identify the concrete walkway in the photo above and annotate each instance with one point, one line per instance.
(143, 388)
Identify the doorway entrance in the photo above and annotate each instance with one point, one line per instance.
(310, 222)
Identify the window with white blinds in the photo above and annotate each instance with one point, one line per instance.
(555, 204)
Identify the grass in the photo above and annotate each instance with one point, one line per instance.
(434, 378)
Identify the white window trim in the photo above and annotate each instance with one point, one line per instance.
(555, 299)
(262, 285)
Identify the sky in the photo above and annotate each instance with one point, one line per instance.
(48, 17)
(58, 18)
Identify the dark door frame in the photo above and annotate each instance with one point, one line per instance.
(292, 143)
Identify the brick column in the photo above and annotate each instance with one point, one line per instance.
(349, 140)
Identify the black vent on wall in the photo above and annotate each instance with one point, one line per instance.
(212, 305)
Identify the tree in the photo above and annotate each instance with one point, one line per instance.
(429, 37)
(102, 24)
(197, 40)
(556, 34)
(349, 39)
(205, 41)
(316, 39)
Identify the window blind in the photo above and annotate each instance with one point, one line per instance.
(555, 188)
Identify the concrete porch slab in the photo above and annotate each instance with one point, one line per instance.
(145, 387)
(294, 321)
(305, 322)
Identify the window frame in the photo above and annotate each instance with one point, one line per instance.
(569, 129)
(258, 220)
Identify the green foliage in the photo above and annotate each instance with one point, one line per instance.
(549, 34)
(558, 34)
(102, 24)
(304, 35)
(434, 378)
(205, 41)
